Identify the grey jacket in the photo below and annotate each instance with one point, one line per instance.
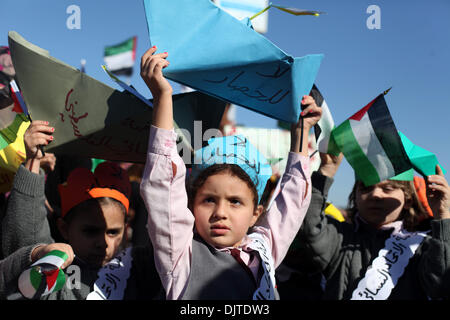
(11, 267)
(25, 223)
(228, 281)
(342, 252)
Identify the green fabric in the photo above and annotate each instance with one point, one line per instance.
(9, 135)
(58, 253)
(35, 278)
(345, 140)
(3, 142)
(333, 148)
(120, 48)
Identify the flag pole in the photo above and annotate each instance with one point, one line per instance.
(386, 92)
(16, 92)
(301, 134)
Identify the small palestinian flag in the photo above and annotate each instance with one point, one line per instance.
(19, 103)
(11, 118)
(119, 59)
(325, 125)
(44, 277)
(371, 144)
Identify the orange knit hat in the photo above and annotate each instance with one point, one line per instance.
(108, 180)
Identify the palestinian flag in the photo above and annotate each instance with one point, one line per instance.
(11, 118)
(323, 128)
(19, 103)
(44, 276)
(371, 144)
(119, 59)
(325, 125)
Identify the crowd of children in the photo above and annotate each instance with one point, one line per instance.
(207, 234)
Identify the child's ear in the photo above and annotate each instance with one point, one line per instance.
(256, 214)
(63, 228)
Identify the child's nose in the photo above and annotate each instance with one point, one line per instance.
(102, 242)
(220, 210)
(377, 192)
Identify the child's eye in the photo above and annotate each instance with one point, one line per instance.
(90, 232)
(209, 200)
(364, 189)
(388, 188)
(235, 201)
(112, 232)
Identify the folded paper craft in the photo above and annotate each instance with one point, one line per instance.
(213, 52)
(422, 160)
(92, 119)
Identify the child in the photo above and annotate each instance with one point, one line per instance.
(93, 214)
(384, 253)
(220, 259)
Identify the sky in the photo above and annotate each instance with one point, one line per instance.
(410, 52)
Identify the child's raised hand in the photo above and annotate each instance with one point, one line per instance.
(38, 133)
(312, 113)
(299, 131)
(42, 250)
(48, 162)
(438, 194)
(151, 72)
(329, 164)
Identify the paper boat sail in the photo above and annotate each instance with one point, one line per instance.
(213, 52)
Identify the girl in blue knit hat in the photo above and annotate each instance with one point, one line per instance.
(213, 242)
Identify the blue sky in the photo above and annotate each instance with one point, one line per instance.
(411, 53)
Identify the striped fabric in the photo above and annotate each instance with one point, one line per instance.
(12, 117)
(371, 144)
(44, 277)
(119, 59)
(325, 125)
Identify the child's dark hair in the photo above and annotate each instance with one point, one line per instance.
(233, 169)
(99, 202)
(411, 216)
